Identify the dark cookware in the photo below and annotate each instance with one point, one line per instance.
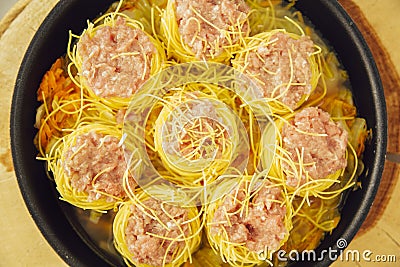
(57, 220)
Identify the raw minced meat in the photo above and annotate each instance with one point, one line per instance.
(204, 134)
(120, 116)
(203, 137)
(263, 226)
(271, 65)
(196, 127)
(139, 233)
(91, 155)
(116, 60)
(206, 40)
(318, 140)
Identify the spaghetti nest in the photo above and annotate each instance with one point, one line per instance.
(113, 57)
(149, 232)
(195, 136)
(88, 166)
(250, 223)
(204, 30)
(286, 65)
(312, 154)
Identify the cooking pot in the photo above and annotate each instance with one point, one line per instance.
(58, 221)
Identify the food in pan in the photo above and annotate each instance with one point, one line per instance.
(248, 222)
(313, 151)
(114, 56)
(91, 166)
(192, 132)
(208, 30)
(286, 180)
(148, 232)
(285, 64)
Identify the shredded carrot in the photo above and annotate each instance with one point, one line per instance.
(56, 88)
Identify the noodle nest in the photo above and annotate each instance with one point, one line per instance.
(69, 193)
(235, 208)
(155, 63)
(212, 51)
(262, 43)
(186, 242)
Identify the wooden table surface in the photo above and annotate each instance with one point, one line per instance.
(21, 243)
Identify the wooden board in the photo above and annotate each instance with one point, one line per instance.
(21, 242)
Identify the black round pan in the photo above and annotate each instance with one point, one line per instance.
(55, 219)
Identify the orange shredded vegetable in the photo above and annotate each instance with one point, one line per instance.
(56, 92)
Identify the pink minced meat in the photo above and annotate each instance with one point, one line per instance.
(116, 60)
(263, 227)
(274, 57)
(223, 14)
(151, 250)
(323, 154)
(202, 135)
(95, 153)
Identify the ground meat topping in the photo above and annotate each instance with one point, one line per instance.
(199, 35)
(323, 150)
(263, 226)
(203, 134)
(116, 60)
(147, 248)
(202, 137)
(271, 65)
(95, 154)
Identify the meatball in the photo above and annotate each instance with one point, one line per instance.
(116, 60)
(96, 165)
(320, 142)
